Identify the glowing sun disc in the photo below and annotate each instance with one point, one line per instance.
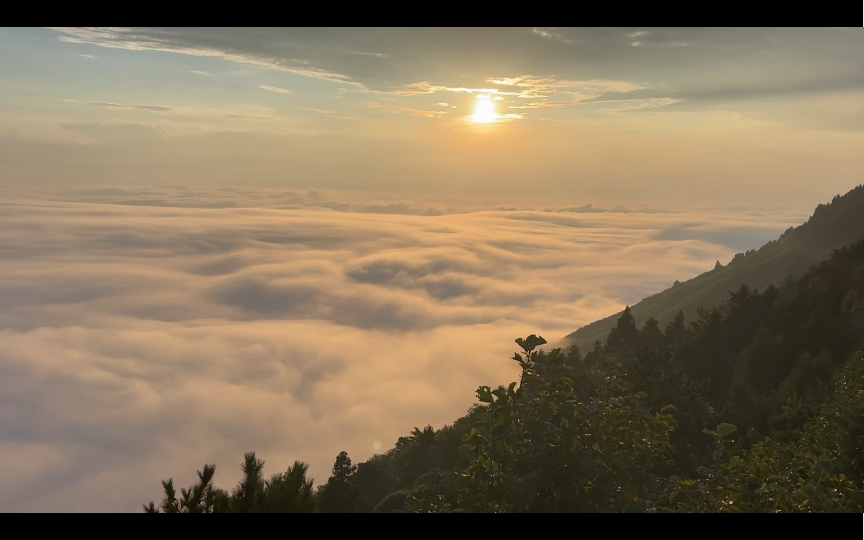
(484, 111)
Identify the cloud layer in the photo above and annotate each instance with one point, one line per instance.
(148, 331)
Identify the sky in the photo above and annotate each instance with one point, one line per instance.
(303, 241)
(603, 114)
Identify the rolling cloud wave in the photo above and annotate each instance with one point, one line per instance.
(141, 340)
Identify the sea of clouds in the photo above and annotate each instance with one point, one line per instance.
(147, 331)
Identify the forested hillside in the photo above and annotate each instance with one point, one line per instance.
(754, 405)
(831, 226)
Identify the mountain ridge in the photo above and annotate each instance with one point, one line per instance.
(831, 226)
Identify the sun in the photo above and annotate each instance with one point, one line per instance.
(484, 111)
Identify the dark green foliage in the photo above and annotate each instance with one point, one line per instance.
(289, 492)
(335, 495)
(676, 332)
(818, 471)
(754, 339)
(373, 481)
(394, 503)
(651, 337)
(248, 496)
(625, 339)
(539, 447)
(199, 498)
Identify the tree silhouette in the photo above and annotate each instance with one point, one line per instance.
(335, 495)
(288, 492)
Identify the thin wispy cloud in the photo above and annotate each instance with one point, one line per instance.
(410, 111)
(319, 111)
(637, 34)
(376, 55)
(640, 104)
(274, 89)
(127, 38)
(550, 33)
(247, 112)
(108, 104)
(670, 44)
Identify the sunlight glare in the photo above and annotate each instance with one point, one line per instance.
(484, 111)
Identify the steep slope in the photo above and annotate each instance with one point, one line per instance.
(831, 226)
